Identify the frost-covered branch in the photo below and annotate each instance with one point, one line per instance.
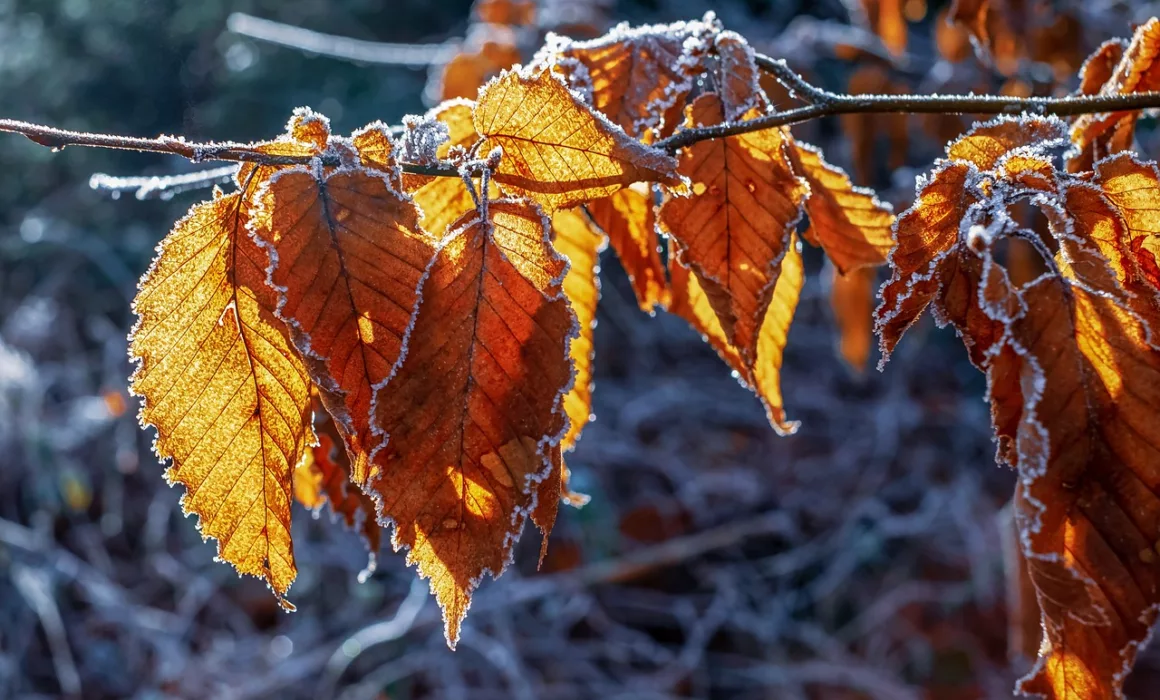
(163, 186)
(58, 139)
(409, 55)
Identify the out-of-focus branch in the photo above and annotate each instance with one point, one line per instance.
(409, 55)
(162, 186)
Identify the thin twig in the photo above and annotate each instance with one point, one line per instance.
(409, 55)
(163, 186)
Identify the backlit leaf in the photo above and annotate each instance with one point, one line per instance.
(346, 256)
(628, 218)
(848, 222)
(637, 77)
(733, 230)
(224, 387)
(474, 415)
(556, 149)
(763, 376)
(1136, 71)
(575, 238)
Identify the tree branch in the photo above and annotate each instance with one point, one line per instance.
(819, 103)
(58, 139)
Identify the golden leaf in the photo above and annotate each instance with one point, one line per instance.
(575, 239)
(628, 218)
(556, 149)
(847, 222)
(224, 388)
(732, 231)
(474, 415)
(763, 376)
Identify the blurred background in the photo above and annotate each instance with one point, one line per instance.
(862, 557)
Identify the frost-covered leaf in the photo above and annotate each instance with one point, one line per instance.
(224, 388)
(628, 218)
(347, 255)
(847, 222)
(638, 77)
(1136, 70)
(733, 229)
(763, 375)
(576, 239)
(1073, 375)
(556, 149)
(474, 415)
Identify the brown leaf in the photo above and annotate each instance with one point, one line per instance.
(474, 414)
(637, 77)
(847, 222)
(925, 257)
(1136, 71)
(347, 255)
(627, 217)
(223, 386)
(852, 301)
(557, 150)
(763, 376)
(732, 231)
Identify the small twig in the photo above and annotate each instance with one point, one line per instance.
(163, 186)
(409, 55)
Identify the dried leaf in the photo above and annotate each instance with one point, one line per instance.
(927, 234)
(636, 77)
(852, 301)
(1137, 71)
(847, 222)
(557, 150)
(764, 376)
(346, 256)
(224, 388)
(474, 414)
(732, 231)
(575, 238)
(627, 217)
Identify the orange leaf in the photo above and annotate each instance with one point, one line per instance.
(1087, 455)
(324, 477)
(557, 150)
(347, 255)
(733, 230)
(474, 414)
(575, 238)
(927, 234)
(636, 77)
(848, 222)
(852, 300)
(223, 386)
(763, 376)
(1137, 71)
(627, 217)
